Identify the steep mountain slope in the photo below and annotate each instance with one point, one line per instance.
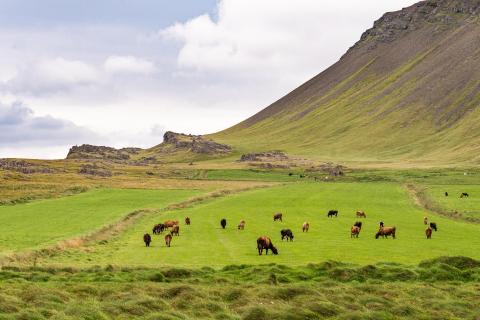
(409, 90)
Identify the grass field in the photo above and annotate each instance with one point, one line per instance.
(45, 222)
(446, 288)
(466, 207)
(204, 243)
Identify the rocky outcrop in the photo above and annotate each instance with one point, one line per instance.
(329, 168)
(87, 151)
(274, 155)
(439, 12)
(23, 166)
(193, 143)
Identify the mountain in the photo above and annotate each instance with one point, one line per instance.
(407, 91)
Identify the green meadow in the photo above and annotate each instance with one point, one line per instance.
(204, 243)
(45, 222)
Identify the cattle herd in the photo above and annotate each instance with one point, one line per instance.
(172, 228)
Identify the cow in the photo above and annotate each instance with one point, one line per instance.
(433, 225)
(464, 195)
(168, 239)
(286, 234)
(358, 224)
(446, 194)
(170, 223)
(355, 231)
(385, 232)
(241, 225)
(265, 243)
(332, 213)
(223, 223)
(425, 220)
(277, 216)
(187, 221)
(361, 214)
(158, 228)
(175, 230)
(147, 239)
(305, 226)
(428, 233)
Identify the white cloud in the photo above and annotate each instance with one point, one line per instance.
(46, 76)
(129, 64)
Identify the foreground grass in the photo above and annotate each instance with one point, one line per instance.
(444, 288)
(45, 222)
(204, 243)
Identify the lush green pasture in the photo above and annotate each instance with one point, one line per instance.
(45, 222)
(445, 288)
(204, 243)
(466, 207)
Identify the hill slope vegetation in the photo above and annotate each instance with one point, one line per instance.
(409, 90)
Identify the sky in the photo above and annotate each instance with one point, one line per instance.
(122, 72)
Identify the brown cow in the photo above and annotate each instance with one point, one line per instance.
(175, 230)
(168, 239)
(385, 232)
(265, 243)
(305, 226)
(147, 239)
(425, 220)
(361, 214)
(428, 233)
(277, 216)
(170, 223)
(187, 221)
(355, 231)
(241, 225)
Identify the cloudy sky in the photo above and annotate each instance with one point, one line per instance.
(122, 72)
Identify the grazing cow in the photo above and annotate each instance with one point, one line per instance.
(425, 220)
(223, 223)
(265, 243)
(170, 223)
(433, 225)
(361, 214)
(385, 232)
(241, 225)
(168, 239)
(305, 226)
(290, 174)
(355, 231)
(286, 233)
(187, 221)
(158, 228)
(464, 195)
(428, 233)
(446, 194)
(332, 213)
(147, 239)
(277, 216)
(175, 230)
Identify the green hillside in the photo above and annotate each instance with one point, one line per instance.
(408, 91)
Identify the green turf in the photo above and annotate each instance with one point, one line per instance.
(45, 222)
(204, 243)
(445, 288)
(467, 207)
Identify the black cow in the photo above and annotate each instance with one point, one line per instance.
(332, 213)
(433, 225)
(286, 233)
(158, 228)
(446, 194)
(147, 239)
(223, 223)
(464, 195)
